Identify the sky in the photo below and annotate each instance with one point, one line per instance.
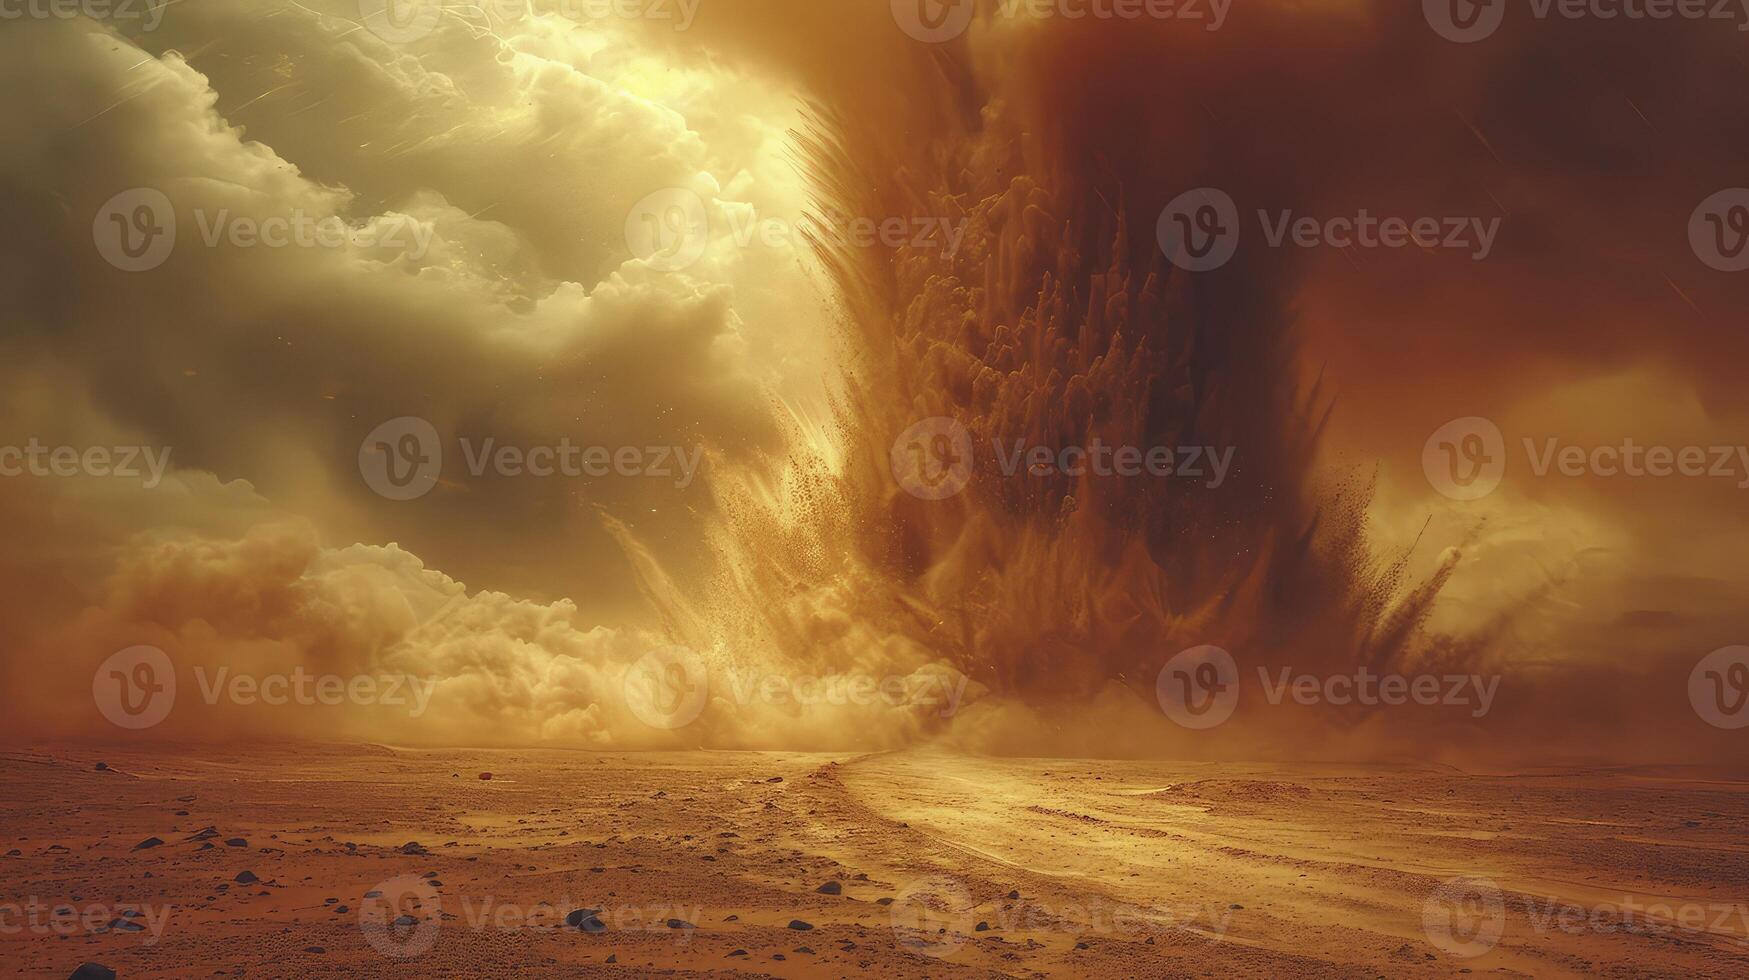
(477, 191)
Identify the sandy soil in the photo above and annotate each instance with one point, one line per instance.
(368, 861)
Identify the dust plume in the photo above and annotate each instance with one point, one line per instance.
(1041, 311)
(1055, 322)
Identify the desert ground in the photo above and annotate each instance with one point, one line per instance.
(330, 860)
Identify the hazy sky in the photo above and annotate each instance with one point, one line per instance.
(486, 168)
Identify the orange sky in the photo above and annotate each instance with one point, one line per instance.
(522, 149)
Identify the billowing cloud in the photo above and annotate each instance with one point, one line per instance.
(456, 209)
